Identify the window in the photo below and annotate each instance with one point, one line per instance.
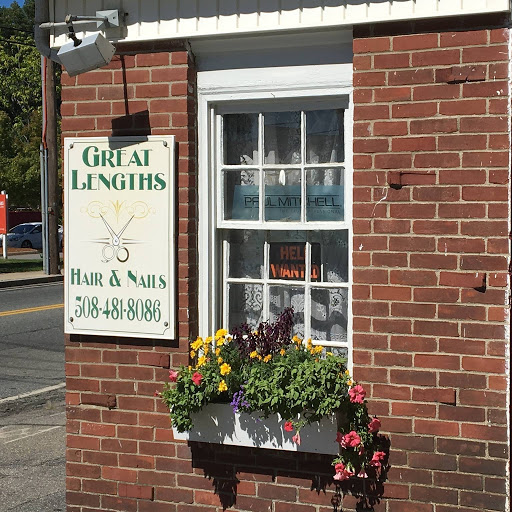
(281, 229)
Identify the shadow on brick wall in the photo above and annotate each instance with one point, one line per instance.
(231, 469)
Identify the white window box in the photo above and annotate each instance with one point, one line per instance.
(216, 423)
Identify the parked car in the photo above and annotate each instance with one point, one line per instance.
(28, 235)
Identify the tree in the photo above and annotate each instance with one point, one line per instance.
(20, 106)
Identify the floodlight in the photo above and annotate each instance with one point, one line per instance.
(92, 52)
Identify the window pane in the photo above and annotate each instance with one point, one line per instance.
(281, 297)
(246, 254)
(324, 136)
(282, 195)
(240, 139)
(334, 256)
(329, 310)
(245, 304)
(287, 260)
(325, 192)
(282, 138)
(241, 191)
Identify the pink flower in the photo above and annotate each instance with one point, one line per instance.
(374, 425)
(339, 467)
(173, 375)
(296, 438)
(339, 437)
(197, 378)
(288, 426)
(377, 457)
(351, 440)
(362, 474)
(357, 394)
(343, 475)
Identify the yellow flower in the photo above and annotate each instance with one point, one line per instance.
(267, 358)
(223, 386)
(259, 358)
(217, 352)
(282, 351)
(349, 383)
(253, 354)
(297, 340)
(192, 353)
(309, 344)
(196, 345)
(201, 361)
(318, 349)
(208, 340)
(221, 333)
(329, 354)
(225, 369)
(189, 367)
(219, 341)
(220, 360)
(347, 372)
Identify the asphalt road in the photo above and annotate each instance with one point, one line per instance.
(32, 427)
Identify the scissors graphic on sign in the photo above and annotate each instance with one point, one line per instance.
(115, 249)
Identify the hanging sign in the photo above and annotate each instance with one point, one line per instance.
(119, 236)
(3, 214)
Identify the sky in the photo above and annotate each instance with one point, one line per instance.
(7, 3)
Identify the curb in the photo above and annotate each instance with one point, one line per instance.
(24, 281)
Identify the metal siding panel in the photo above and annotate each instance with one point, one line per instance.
(208, 12)
(187, 24)
(311, 13)
(169, 17)
(357, 12)
(248, 19)
(228, 16)
(269, 13)
(380, 10)
(132, 8)
(334, 12)
(290, 13)
(150, 15)
(428, 8)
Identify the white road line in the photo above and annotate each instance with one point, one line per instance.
(32, 393)
(34, 434)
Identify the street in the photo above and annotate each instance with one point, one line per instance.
(32, 410)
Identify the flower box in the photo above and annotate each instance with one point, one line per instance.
(216, 423)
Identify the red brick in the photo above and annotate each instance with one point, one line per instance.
(413, 344)
(136, 491)
(390, 94)
(439, 428)
(462, 107)
(436, 92)
(392, 326)
(460, 446)
(456, 177)
(461, 312)
(97, 429)
(462, 211)
(411, 77)
(83, 470)
(413, 310)
(444, 396)
(391, 61)
(483, 124)
(362, 62)
(485, 89)
(461, 413)
(485, 53)
(468, 262)
(152, 59)
(410, 110)
(96, 77)
(432, 460)
(433, 261)
(412, 377)
(437, 295)
(437, 160)
(462, 142)
(485, 159)
(371, 45)
(118, 474)
(414, 144)
(369, 79)
(462, 380)
(371, 145)
(368, 112)
(390, 128)
(435, 361)
(486, 365)
(413, 409)
(415, 42)
(465, 38)
(435, 328)
(431, 126)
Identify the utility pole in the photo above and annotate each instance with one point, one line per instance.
(53, 176)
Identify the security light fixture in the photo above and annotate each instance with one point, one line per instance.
(91, 52)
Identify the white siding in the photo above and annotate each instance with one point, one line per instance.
(160, 19)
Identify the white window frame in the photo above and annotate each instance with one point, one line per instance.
(221, 89)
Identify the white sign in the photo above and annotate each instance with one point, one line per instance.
(119, 236)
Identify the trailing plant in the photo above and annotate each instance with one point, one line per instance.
(267, 371)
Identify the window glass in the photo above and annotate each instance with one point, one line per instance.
(245, 253)
(241, 195)
(325, 194)
(245, 304)
(324, 136)
(282, 195)
(329, 316)
(282, 138)
(282, 297)
(240, 139)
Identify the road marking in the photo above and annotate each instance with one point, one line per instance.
(34, 434)
(32, 393)
(30, 310)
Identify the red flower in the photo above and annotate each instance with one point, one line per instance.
(343, 475)
(296, 438)
(173, 375)
(197, 378)
(339, 437)
(351, 440)
(376, 459)
(374, 425)
(357, 394)
(339, 467)
(288, 426)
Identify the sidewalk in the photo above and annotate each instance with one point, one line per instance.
(24, 278)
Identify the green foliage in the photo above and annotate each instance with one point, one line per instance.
(299, 381)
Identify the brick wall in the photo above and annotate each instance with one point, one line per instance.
(431, 246)
(431, 189)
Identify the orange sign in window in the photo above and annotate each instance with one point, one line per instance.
(288, 261)
(3, 214)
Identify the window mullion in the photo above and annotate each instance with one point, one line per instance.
(303, 167)
(266, 275)
(261, 173)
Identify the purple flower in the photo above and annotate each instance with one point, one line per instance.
(239, 403)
